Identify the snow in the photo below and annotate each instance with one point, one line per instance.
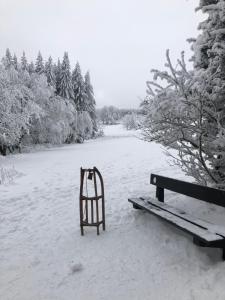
(43, 255)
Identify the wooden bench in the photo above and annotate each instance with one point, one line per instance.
(205, 234)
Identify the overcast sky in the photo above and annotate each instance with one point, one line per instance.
(119, 41)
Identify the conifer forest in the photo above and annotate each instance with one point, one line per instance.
(44, 102)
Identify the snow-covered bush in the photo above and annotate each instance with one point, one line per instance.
(84, 126)
(100, 130)
(131, 121)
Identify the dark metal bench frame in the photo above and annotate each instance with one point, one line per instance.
(196, 191)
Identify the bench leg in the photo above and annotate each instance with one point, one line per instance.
(223, 249)
(197, 242)
(160, 194)
(136, 207)
(82, 230)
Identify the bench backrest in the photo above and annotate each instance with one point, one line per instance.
(200, 192)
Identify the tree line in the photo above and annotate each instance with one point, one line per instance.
(110, 115)
(187, 112)
(44, 102)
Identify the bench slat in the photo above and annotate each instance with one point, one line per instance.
(205, 224)
(185, 225)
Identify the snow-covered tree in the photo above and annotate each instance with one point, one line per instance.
(109, 115)
(7, 60)
(60, 124)
(188, 113)
(209, 62)
(78, 88)
(15, 62)
(130, 121)
(57, 75)
(90, 100)
(31, 68)
(49, 72)
(65, 84)
(209, 52)
(182, 116)
(57, 123)
(84, 126)
(32, 112)
(24, 64)
(16, 110)
(39, 65)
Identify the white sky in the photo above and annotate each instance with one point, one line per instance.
(119, 41)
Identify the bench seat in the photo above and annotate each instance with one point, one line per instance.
(205, 234)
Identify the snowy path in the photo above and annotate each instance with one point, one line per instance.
(43, 256)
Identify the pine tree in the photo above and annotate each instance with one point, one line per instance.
(39, 65)
(31, 68)
(24, 64)
(49, 72)
(15, 62)
(65, 85)
(78, 89)
(89, 99)
(209, 50)
(57, 75)
(209, 63)
(7, 59)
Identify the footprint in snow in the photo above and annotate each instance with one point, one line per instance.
(74, 268)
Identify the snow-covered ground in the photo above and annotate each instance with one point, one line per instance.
(43, 256)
